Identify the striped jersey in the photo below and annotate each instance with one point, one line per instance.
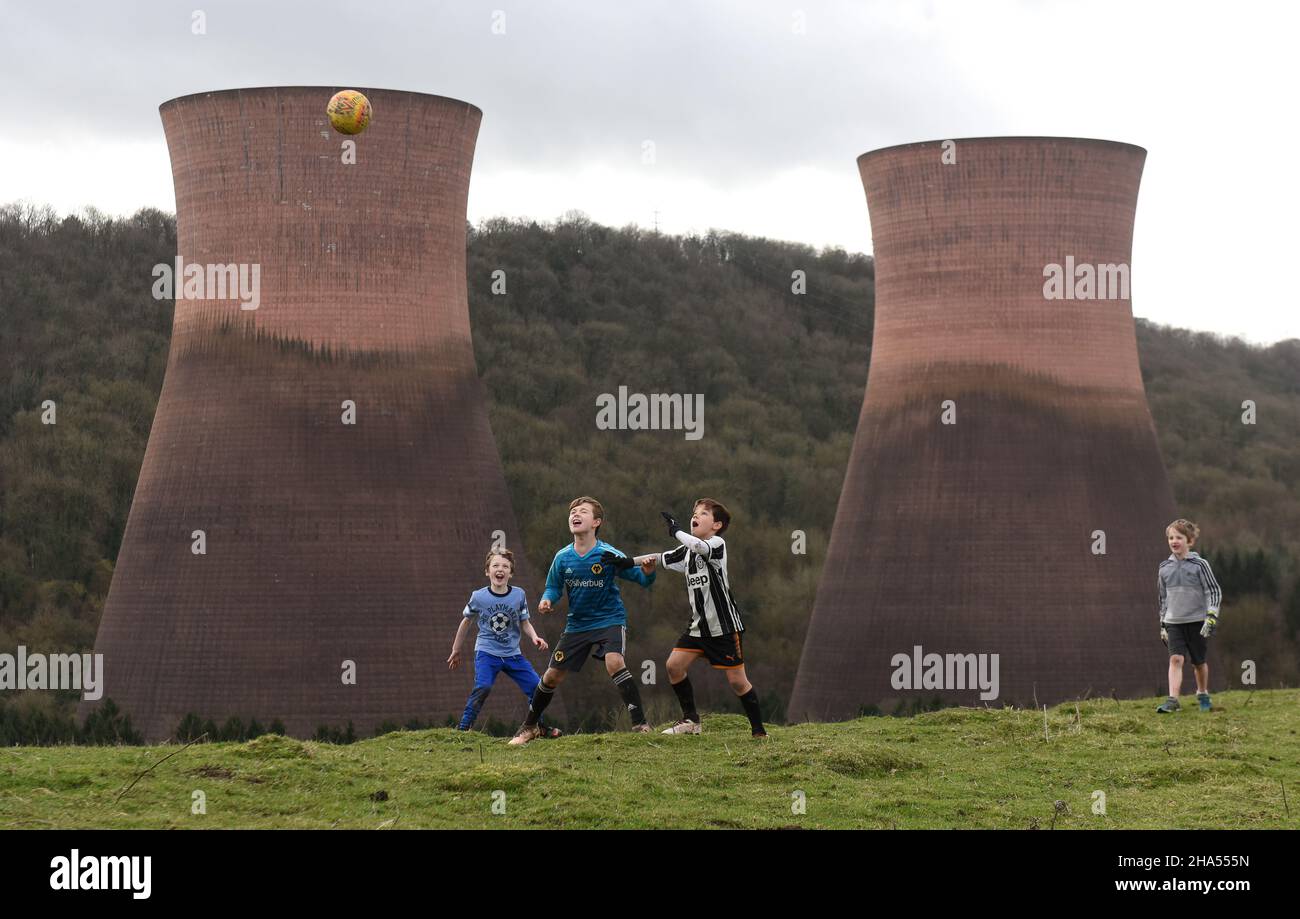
(704, 562)
(1187, 589)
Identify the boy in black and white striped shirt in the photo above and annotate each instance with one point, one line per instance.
(715, 627)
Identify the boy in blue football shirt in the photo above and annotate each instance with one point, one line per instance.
(501, 613)
(597, 622)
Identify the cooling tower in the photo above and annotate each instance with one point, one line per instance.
(1005, 493)
(336, 557)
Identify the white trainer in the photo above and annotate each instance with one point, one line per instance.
(525, 733)
(685, 726)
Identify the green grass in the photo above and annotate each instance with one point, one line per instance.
(951, 768)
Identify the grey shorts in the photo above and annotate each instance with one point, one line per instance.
(1185, 639)
(574, 648)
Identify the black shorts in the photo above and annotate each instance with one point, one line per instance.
(724, 652)
(1185, 639)
(575, 647)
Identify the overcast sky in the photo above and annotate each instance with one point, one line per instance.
(757, 110)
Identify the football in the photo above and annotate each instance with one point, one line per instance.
(349, 111)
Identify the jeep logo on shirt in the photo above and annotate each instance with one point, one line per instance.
(697, 580)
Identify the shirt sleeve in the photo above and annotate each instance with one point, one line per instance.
(674, 558)
(1160, 592)
(468, 611)
(523, 606)
(698, 546)
(634, 573)
(554, 583)
(1213, 595)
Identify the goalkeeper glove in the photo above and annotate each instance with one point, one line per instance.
(1211, 625)
(673, 527)
(616, 561)
(1164, 635)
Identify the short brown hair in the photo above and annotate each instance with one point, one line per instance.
(718, 510)
(504, 553)
(597, 510)
(1186, 527)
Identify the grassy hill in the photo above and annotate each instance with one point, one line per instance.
(952, 768)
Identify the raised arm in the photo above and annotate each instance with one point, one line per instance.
(636, 574)
(698, 546)
(675, 558)
(695, 544)
(625, 568)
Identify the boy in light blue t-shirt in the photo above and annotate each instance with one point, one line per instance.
(501, 613)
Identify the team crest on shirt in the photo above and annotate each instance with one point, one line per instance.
(597, 568)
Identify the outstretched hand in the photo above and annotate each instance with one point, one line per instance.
(673, 527)
(616, 561)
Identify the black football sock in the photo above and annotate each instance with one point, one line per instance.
(750, 701)
(541, 698)
(686, 696)
(627, 688)
(541, 722)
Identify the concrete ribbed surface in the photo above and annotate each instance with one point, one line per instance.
(325, 542)
(976, 537)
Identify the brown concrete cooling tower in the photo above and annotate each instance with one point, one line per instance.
(326, 542)
(977, 537)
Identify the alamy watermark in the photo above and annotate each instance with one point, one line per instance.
(919, 670)
(197, 281)
(84, 672)
(651, 412)
(103, 872)
(1084, 281)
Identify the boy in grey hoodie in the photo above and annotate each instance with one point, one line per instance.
(1189, 612)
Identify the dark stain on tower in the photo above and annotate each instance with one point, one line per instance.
(325, 542)
(976, 537)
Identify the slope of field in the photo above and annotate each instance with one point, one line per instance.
(951, 768)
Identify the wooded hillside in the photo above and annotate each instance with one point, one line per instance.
(588, 309)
